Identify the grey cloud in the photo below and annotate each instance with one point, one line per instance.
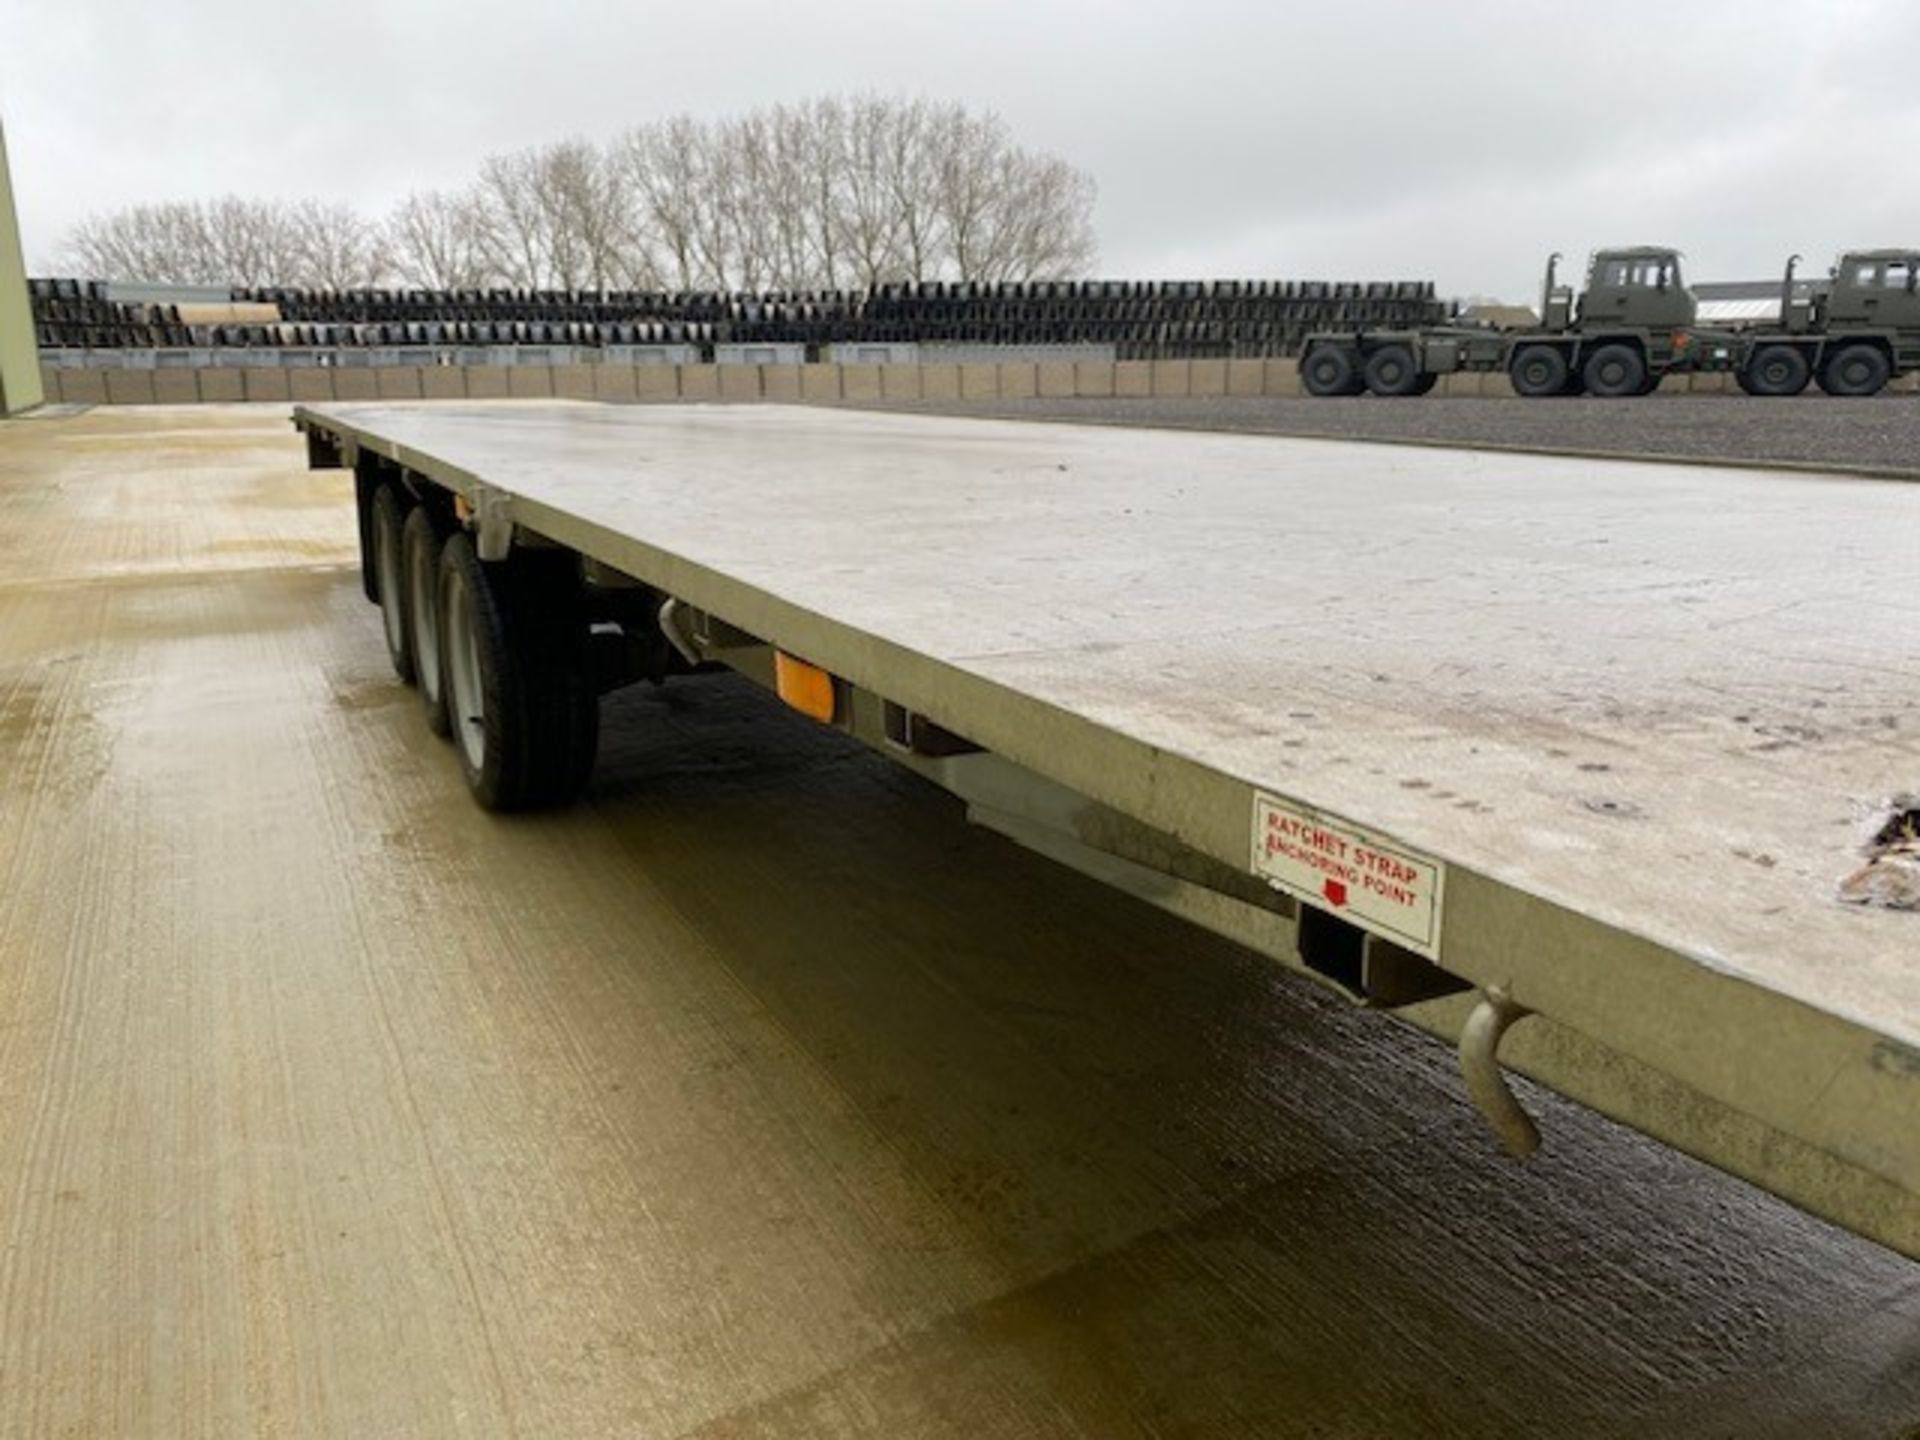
(1460, 141)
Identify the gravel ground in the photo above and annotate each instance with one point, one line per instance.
(1880, 435)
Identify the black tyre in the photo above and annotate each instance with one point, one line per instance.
(520, 689)
(1855, 371)
(389, 521)
(1392, 371)
(1427, 381)
(1331, 370)
(1776, 370)
(1615, 371)
(420, 542)
(363, 488)
(1538, 371)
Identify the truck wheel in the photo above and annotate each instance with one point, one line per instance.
(1538, 370)
(1776, 370)
(420, 542)
(1614, 371)
(514, 639)
(1855, 371)
(1392, 370)
(1331, 370)
(1428, 379)
(389, 521)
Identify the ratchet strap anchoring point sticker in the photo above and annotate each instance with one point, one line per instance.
(1378, 884)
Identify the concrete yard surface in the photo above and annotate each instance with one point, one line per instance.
(758, 1095)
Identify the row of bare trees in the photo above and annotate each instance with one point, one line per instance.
(822, 194)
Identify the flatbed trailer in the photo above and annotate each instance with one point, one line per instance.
(1562, 759)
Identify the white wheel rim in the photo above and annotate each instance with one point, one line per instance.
(387, 565)
(465, 697)
(426, 626)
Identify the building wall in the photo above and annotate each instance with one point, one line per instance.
(20, 387)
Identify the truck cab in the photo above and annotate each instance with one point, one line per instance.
(1640, 287)
(1873, 289)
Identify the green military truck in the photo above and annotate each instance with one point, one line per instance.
(1852, 335)
(1631, 326)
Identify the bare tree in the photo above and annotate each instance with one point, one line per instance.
(512, 226)
(165, 243)
(867, 223)
(821, 194)
(434, 240)
(1007, 213)
(664, 170)
(337, 248)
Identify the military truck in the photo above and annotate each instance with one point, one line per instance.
(1631, 326)
(1852, 334)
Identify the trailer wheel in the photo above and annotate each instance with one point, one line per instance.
(1615, 371)
(389, 523)
(363, 489)
(1538, 371)
(420, 542)
(1855, 371)
(1331, 370)
(524, 707)
(1776, 370)
(1392, 371)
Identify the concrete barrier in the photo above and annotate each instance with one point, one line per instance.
(530, 382)
(656, 382)
(1055, 379)
(397, 382)
(1282, 376)
(573, 382)
(1093, 379)
(175, 387)
(83, 387)
(1246, 377)
(820, 382)
(1172, 379)
(444, 382)
(223, 384)
(940, 381)
(860, 382)
(780, 382)
(737, 382)
(347, 384)
(308, 385)
(265, 384)
(614, 382)
(979, 382)
(129, 387)
(485, 382)
(617, 381)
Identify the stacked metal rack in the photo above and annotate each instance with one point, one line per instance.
(1135, 319)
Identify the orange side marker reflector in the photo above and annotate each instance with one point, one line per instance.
(462, 509)
(807, 688)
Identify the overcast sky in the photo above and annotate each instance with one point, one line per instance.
(1457, 139)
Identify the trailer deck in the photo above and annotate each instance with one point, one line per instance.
(1617, 728)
